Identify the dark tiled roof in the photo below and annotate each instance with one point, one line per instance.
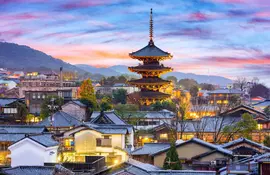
(7, 101)
(77, 102)
(150, 51)
(226, 91)
(37, 170)
(151, 94)
(151, 68)
(149, 80)
(10, 137)
(22, 129)
(110, 116)
(263, 103)
(243, 107)
(44, 139)
(60, 119)
(150, 148)
(111, 129)
(244, 140)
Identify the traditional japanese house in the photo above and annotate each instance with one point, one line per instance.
(150, 70)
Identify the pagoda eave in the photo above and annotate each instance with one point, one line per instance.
(137, 69)
(145, 58)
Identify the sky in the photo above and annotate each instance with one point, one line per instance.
(229, 38)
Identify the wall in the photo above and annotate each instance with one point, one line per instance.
(85, 141)
(186, 151)
(212, 157)
(29, 153)
(75, 111)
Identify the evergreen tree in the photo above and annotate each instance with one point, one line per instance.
(266, 141)
(106, 104)
(172, 161)
(120, 96)
(45, 111)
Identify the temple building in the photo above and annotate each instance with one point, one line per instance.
(150, 70)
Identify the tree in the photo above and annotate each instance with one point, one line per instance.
(234, 101)
(243, 128)
(187, 83)
(122, 79)
(240, 83)
(87, 95)
(56, 100)
(172, 161)
(106, 104)
(208, 87)
(266, 141)
(121, 109)
(194, 90)
(120, 96)
(267, 110)
(159, 105)
(259, 90)
(183, 106)
(172, 78)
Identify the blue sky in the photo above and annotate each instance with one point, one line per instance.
(218, 37)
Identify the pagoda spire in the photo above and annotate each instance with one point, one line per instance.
(151, 42)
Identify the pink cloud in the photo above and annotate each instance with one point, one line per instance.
(84, 4)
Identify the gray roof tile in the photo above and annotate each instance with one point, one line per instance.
(23, 129)
(60, 119)
(150, 148)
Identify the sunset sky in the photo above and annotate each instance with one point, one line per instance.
(218, 37)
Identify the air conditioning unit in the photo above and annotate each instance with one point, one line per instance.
(213, 162)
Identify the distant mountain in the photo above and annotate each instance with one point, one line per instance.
(95, 70)
(14, 56)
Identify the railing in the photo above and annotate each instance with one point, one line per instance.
(92, 164)
(238, 167)
(104, 142)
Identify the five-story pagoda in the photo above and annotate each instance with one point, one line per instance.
(150, 70)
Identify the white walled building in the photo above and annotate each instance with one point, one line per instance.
(34, 151)
(76, 109)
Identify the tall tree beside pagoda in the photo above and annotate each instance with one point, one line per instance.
(172, 161)
(87, 95)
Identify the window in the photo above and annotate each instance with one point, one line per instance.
(69, 142)
(163, 136)
(106, 141)
(34, 96)
(260, 126)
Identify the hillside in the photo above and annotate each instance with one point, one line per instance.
(20, 57)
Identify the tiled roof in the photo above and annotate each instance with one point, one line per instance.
(226, 91)
(139, 168)
(37, 170)
(110, 115)
(77, 102)
(234, 142)
(150, 51)
(29, 170)
(110, 129)
(22, 129)
(262, 104)
(243, 107)
(60, 119)
(150, 148)
(10, 137)
(44, 139)
(151, 94)
(7, 101)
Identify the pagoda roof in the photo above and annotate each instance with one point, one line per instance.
(150, 68)
(149, 80)
(151, 94)
(150, 51)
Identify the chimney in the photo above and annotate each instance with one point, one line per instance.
(61, 77)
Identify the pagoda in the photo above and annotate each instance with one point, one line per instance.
(150, 70)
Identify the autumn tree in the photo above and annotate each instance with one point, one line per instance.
(88, 97)
(120, 96)
(182, 108)
(172, 161)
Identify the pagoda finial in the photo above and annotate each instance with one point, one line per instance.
(151, 28)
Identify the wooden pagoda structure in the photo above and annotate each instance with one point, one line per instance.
(150, 70)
